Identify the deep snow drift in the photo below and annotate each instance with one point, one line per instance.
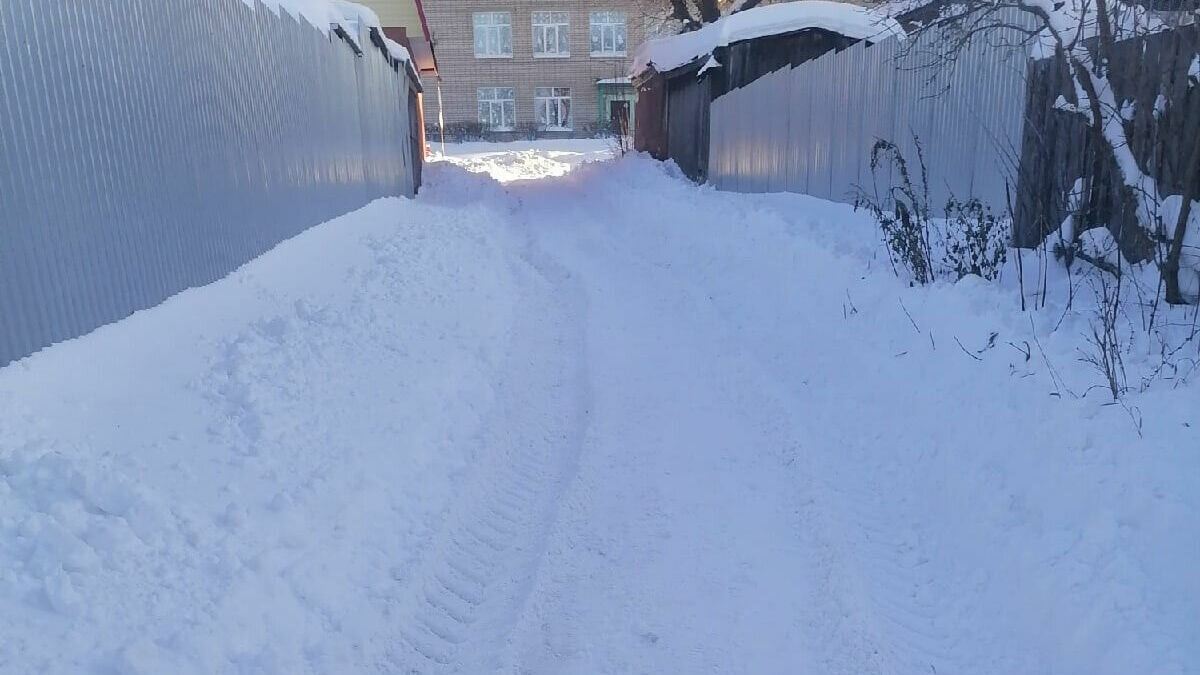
(605, 422)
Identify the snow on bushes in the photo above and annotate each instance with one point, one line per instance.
(969, 240)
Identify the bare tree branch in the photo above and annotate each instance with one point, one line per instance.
(709, 11)
(683, 14)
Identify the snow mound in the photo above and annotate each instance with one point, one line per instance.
(241, 478)
(850, 20)
(528, 160)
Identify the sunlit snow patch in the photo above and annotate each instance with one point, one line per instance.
(525, 160)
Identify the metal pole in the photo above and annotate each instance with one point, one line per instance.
(441, 118)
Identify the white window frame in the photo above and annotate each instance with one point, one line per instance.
(557, 99)
(608, 24)
(495, 97)
(556, 24)
(497, 24)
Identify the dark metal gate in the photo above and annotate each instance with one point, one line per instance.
(687, 124)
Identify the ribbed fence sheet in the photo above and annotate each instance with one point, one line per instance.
(810, 128)
(148, 146)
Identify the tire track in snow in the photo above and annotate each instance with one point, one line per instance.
(464, 599)
(844, 625)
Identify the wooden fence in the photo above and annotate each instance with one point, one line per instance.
(1058, 147)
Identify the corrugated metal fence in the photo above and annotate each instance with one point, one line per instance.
(688, 124)
(810, 128)
(147, 146)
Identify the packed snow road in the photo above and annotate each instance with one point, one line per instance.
(600, 422)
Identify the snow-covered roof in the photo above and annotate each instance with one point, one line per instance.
(397, 50)
(850, 20)
(615, 80)
(326, 14)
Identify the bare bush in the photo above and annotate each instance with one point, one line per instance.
(976, 241)
(622, 135)
(529, 131)
(461, 132)
(902, 211)
(1104, 343)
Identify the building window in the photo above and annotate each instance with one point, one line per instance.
(498, 108)
(493, 35)
(608, 33)
(552, 107)
(550, 31)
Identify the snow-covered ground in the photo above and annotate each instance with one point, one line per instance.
(525, 160)
(602, 422)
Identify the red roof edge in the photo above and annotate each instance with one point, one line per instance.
(424, 24)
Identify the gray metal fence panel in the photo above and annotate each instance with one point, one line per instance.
(775, 127)
(720, 172)
(826, 114)
(760, 157)
(799, 107)
(875, 65)
(820, 128)
(906, 121)
(758, 136)
(1005, 71)
(847, 127)
(147, 146)
(716, 170)
(778, 178)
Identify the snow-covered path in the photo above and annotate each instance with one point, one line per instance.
(790, 465)
(601, 422)
(681, 546)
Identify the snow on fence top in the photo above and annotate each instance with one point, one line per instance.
(1068, 22)
(325, 14)
(850, 20)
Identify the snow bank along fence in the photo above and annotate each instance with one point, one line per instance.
(810, 128)
(786, 114)
(147, 146)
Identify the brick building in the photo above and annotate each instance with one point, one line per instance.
(515, 64)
